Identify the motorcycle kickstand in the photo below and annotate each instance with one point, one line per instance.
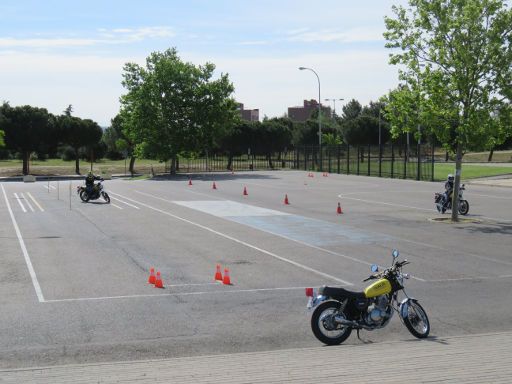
(359, 337)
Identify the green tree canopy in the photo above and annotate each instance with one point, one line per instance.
(79, 133)
(172, 106)
(458, 66)
(26, 129)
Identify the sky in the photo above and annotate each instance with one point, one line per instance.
(55, 53)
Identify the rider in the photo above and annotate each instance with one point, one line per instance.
(89, 182)
(448, 190)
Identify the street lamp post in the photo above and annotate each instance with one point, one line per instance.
(319, 115)
(334, 103)
(418, 176)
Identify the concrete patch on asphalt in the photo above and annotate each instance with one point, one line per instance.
(299, 228)
(226, 208)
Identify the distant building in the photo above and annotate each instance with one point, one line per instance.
(249, 114)
(301, 114)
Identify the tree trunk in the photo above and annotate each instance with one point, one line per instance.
(132, 164)
(269, 158)
(26, 157)
(77, 162)
(446, 156)
(489, 159)
(230, 162)
(173, 165)
(456, 183)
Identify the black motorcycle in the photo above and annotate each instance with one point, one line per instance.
(94, 193)
(442, 205)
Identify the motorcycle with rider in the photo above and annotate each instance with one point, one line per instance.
(443, 201)
(92, 191)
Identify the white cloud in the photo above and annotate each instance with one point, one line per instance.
(369, 34)
(114, 36)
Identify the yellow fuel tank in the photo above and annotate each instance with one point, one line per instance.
(380, 287)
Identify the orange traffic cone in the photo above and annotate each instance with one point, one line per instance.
(152, 278)
(214, 186)
(339, 211)
(245, 191)
(286, 202)
(189, 181)
(227, 280)
(158, 282)
(218, 274)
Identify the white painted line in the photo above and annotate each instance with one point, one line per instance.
(493, 197)
(240, 242)
(124, 202)
(31, 271)
(476, 278)
(221, 292)
(117, 206)
(35, 201)
(191, 285)
(383, 203)
(26, 201)
(20, 203)
(46, 187)
(417, 208)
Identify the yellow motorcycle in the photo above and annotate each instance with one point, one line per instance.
(338, 311)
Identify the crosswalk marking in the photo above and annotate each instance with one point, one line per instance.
(20, 203)
(35, 201)
(26, 201)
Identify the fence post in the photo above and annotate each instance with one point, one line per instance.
(358, 158)
(329, 154)
(338, 156)
(348, 159)
(392, 160)
(418, 175)
(380, 159)
(369, 151)
(433, 161)
(405, 163)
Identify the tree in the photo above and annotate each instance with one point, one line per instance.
(351, 110)
(79, 133)
(173, 106)
(273, 135)
(26, 129)
(465, 49)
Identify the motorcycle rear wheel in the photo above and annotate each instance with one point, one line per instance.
(417, 321)
(324, 327)
(463, 207)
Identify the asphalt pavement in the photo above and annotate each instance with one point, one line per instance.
(73, 276)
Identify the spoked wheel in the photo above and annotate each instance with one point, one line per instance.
(106, 197)
(324, 326)
(416, 320)
(84, 196)
(463, 207)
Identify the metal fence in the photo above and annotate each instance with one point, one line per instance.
(392, 161)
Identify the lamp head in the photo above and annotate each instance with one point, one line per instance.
(302, 68)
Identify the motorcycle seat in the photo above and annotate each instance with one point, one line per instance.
(340, 293)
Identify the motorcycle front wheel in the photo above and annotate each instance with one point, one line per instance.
(106, 197)
(416, 320)
(84, 196)
(463, 207)
(324, 325)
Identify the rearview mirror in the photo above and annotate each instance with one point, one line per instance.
(395, 253)
(374, 267)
